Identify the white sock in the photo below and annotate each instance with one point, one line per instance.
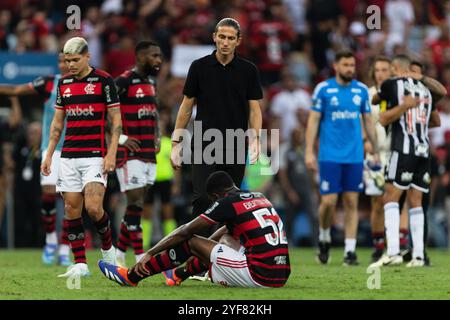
(64, 250)
(51, 238)
(139, 256)
(416, 221)
(392, 225)
(120, 254)
(350, 245)
(324, 235)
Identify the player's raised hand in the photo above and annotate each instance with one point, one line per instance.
(46, 166)
(132, 144)
(311, 161)
(140, 268)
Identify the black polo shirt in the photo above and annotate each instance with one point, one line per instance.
(222, 92)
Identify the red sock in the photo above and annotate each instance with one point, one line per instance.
(378, 240)
(65, 235)
(76, 237)
(49, 212)
(104, 230)
(193, 266)
(133, 221)
(165, 260)
(404, 241)
(124, 237)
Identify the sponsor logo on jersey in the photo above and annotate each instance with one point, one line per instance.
(90, 79)
(343, 115)
(355, 90)
(212, 208)
(67, 81)
(144, 112)
(332, 90)
(280, 260)
(246, 196)
(77, 111)
(136, 81)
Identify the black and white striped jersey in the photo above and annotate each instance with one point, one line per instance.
(409, 134)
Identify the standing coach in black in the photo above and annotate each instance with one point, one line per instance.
(226, 89)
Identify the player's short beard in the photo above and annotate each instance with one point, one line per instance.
(346, 78)
(150, 70)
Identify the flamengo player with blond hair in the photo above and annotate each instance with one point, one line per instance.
(86, 97)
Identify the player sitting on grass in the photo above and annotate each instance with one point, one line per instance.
(252, 251)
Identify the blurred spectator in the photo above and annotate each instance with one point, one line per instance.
(297, 183)
(6, 129)
(27, 188)
(440, 45)
(400, 14)
(322, 16)
(91, 29)
(438, 134)
(270, 41)
(290, 105)
(119, 59)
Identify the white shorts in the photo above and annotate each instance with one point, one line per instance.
(51, 179)
(136, 174)
(75, 173)
(229, 267)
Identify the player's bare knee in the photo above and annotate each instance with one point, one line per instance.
(94, 210)
(329, 202)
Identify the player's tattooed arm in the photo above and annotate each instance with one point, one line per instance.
(116, 129)
(436, 88)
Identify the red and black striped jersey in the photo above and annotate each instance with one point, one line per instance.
(251, 218)
(138, 107)
(85, 102)
(43, 85)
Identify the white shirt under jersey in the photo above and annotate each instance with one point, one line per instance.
(383, 141)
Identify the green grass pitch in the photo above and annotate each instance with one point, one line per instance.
(22, 276)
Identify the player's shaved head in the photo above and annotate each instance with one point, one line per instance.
(76, 45)
(401, 62)
(218, 182)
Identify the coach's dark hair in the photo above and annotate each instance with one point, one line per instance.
(380, 58)
(229, 22)
(343, 54)
(142, 45)
(218, 182)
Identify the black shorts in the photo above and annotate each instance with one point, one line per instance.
(163, 189)
(406, 171)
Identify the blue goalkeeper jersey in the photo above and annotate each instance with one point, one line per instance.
(340, 135)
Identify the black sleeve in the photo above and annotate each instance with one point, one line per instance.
(254, 91)
(191, 87)
(220, 211)
(39, 85)
(110, 93)
(59, 100)
(388, 92)
(121, 85)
